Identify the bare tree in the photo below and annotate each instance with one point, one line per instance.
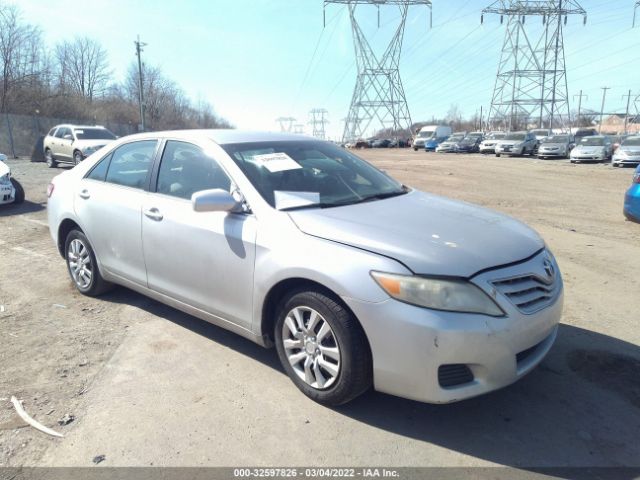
(21, 54)
(83, 68)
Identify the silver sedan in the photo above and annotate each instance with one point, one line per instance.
(359, 281)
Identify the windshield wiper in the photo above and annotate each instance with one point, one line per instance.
(369, 198)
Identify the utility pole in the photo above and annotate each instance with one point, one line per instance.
(635, 9)
(580, 104)
(139, 50)
(626, 115)
(604, 96)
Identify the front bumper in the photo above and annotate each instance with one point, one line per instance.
(588, 157)
(409, 344)
(487, 149)
(626, 160)
(7, 194)
(508, 150)
(551, 153)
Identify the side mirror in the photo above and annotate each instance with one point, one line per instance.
(216, 200)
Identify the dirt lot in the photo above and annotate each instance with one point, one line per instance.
(95, 359)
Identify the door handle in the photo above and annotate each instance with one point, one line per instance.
(84, 194)
(153, 214)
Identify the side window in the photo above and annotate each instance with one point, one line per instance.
(52, 132)
(185, 169)
(99, 171)
(60, 132)
(130, 164)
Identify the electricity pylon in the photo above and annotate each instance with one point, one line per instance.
(378, 94)
(635, 10)
(531, 84)
(317, 122)
(286, 123)
(298, 128)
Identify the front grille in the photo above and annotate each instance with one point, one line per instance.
(529, 293)
(454, 374)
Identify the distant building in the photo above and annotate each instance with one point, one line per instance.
(614, 124)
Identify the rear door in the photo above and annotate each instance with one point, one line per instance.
(203, 259)
(65, 141)
(109, 202)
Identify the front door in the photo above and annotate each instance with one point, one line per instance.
(204, 259)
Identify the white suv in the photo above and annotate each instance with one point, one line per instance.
(73, 143)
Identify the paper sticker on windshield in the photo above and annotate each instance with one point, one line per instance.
(284, 199)
(277, 162)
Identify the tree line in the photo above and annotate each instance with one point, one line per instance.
(74, 80)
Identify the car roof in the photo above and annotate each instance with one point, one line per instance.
(226, 136)
(71, 125)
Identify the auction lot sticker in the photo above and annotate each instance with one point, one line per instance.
(277, 162)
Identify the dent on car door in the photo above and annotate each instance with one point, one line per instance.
(203, 259)
(109, 203)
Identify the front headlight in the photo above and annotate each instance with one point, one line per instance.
(438, 293)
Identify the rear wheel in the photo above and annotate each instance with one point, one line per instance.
(322, 348)
(77, 157)
(49, 158)
(82, 265)
(497, 154)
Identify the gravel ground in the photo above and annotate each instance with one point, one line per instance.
(55, 342)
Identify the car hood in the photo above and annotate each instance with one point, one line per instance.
(429, 234)
(4, 169)
(82, 144)
(553, 145)
(630, 149)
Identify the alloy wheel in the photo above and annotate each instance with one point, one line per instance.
(80, 264)
(311, 347)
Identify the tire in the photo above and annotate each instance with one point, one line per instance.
(77, 157)
(415, 149)
(497, 154)
(19, 196)
(349, 371)
(77, 247)
(50, 159)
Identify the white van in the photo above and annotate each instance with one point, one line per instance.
(428, 132)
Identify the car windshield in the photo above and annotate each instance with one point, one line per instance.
(469, 140)
(93, 134)
(426, 134)
(557, 139)
(592, 141)
(514, 136)
(631, 141)
(455, 138)
(308, 174)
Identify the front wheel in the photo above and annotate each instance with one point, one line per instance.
(497, 154)
(19, 195)
(82, 265)
(322, 348)
(77, 157)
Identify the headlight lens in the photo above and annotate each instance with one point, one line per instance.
(438, 293)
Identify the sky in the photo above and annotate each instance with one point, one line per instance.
(258, 60)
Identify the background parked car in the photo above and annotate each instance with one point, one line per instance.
(431, 144)
(632, 198)
(616, 141)
(517, 143)
(362, 144)
(558, 146)
(628, 153)
(73, 143)
(488, 145)
(596, 148)
(10, 189)
(470, 143)
(451, 144)
(584, 132)
(429, 132)
(381, 143)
